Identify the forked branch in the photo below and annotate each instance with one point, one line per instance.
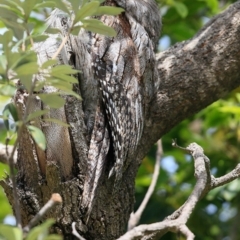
(177, 221)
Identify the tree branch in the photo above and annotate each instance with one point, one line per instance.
(176, 222)
(194, 74)
(135, 217)
(55, 199)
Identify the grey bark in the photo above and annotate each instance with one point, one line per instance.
(193, 74)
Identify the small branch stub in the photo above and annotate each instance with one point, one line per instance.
(54, 200)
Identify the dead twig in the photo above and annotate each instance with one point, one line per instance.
(53, 201)
(135, 217)
(176, 222)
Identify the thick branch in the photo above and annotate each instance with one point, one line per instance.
(195, 73)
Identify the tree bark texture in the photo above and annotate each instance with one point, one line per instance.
(181, 81)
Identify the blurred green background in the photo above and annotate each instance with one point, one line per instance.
(216, 129)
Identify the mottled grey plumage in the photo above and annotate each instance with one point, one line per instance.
(118, 91)
(119, 64)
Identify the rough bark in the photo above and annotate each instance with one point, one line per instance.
(193, 74)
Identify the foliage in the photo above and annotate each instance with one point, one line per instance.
(40, 232)
(215, 128)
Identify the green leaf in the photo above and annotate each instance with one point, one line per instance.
(97, 26)
(48, 4)
(8, 110)
(27, 7)
(13, 111)
(27, 69)
(106, 10)
(52, 100)
(230, 109)
(6, 41)
(87, 10)
(75, 30)
(4, 170)
(36, 114)
(75, 5)
(49, 63)
(40, 38)
(65, 87)
(3, 64)
(27, 82)
(52, 30)
(38, 136)
(63, 6)
(66, 78)
(181, 9)
(40, 232)
(63, 69)
(10, 232)
(53, 237)
(7, 90)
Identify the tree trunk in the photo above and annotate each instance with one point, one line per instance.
(193, 74)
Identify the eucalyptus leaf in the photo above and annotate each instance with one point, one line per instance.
(27, 69)
(86, 10)
(41, 231)
(49, 63)
(63, 69)
(97, 26)
(38, 136)
(9, 110)
(36, 114)
(10, 232)
(52, 100)
(27, 82)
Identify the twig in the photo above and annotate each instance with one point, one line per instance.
(176, 222)
(61, 46)
(75, 233)
(54, 200)
(234, 174)
(135, 217)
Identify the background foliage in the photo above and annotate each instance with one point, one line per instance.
(216, 129)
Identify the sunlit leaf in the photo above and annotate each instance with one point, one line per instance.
(7, 89)
(36, 114)
(230, 109)
(181, 9)
(63, 69)
(52, 100)
(10, 232)
(40, 38)
(41, 231)
(4, 170)
(9, 110)
(49, 63)
(38, 136)
(27, 82)
(97, 26)
(87, 10)
(27, 69)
